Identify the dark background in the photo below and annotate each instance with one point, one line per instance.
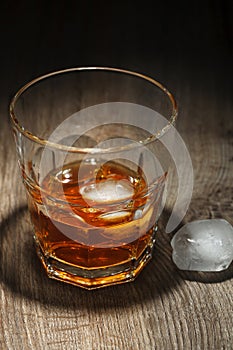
(166, 39)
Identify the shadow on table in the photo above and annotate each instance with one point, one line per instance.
(23, 274)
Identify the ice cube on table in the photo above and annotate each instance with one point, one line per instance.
(203, 245)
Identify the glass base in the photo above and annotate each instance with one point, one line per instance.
(95, 278)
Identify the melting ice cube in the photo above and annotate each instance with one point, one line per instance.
(108, 191)
(203, 245)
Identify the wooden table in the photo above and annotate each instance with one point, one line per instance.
(164, 308)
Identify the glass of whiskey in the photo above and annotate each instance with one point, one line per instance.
(90, 148)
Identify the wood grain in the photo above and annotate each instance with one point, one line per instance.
(164, 308)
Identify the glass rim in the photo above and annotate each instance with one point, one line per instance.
(74, 149)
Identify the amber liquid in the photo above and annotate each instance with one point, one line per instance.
(90, 220)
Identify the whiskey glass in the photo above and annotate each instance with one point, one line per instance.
(91, 153)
